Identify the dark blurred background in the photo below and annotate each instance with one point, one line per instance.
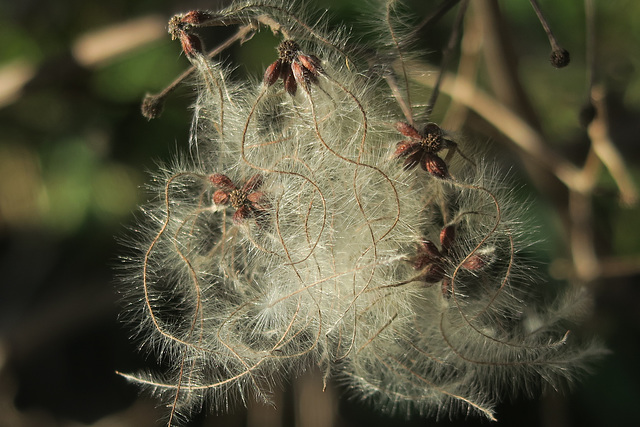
(74, 152)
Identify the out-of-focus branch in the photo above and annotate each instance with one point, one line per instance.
(90, 50)
(13, 77)
(620, 266)
(436, 15)
(470, 48)
(447, 53)
(583, 251)
(501, 62)
(606, 151)
(96, 47)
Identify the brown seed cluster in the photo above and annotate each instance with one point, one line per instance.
(180, 27)
(247, 201)
(432, 262)
(422, 147)
(294, 68)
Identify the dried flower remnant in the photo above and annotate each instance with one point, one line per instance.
(432, 262)
(180, 27)
(294, 68)
(247, 201)
(422, 147)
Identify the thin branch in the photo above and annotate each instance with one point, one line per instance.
(605, 149)
(468, 65)
(446, 56)
(583, 252)
(436, 15)
(153, 103)
(559, 56)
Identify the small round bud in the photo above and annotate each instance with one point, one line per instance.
(152, 106)
(559, 58)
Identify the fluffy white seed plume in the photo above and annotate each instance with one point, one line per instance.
(301, 231)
